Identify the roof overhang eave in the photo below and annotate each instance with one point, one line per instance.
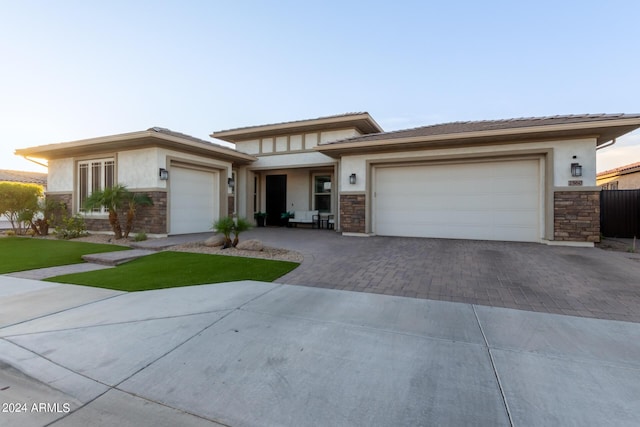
(130, 141)
(364, 123)
(603, 132)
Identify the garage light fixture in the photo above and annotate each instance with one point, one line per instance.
(164, 174)
(352, 178)
(576, 169)
(231, 183)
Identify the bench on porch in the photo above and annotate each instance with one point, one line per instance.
(304, 217)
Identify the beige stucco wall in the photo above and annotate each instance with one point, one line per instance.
(336, 135)
(303, 159)
(629, 182)
(288, 143)
(625, 182)
(60, 175)
(139, 168)
(251, 146)
(563, 152)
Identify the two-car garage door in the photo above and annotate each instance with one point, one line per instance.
(194, 203)
(485, 201)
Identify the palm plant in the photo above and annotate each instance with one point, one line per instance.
(112, 199)
(241, 224)
(135, 200)
(225, 226)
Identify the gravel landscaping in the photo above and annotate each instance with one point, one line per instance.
(199, 247)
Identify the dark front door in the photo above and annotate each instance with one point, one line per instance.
(276, 198)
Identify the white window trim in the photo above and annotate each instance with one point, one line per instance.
(90, 183)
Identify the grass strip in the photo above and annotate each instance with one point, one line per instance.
(27, 253)
(173, 269)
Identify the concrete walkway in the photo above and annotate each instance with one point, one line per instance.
(266, 354)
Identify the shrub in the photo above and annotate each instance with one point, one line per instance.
(140, 237)
(19, 203)
(71, 228)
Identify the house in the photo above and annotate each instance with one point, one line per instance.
(194, 195)
(22, 177)
(527, 179)
(622, 178)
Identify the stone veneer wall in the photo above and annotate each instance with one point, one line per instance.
(353, 213)
(150, 219)
(230, 203)
(576, 216)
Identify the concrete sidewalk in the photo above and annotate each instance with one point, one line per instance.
(263, 354)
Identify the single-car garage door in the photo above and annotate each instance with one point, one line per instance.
(485, 201)
(194, 200)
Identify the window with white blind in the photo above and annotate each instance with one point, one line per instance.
(94, 175)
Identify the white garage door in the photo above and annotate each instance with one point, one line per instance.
(484, 201)
(194, 200)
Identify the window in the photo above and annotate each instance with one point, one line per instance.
(94, 175)
(255, 194)
(322, 193)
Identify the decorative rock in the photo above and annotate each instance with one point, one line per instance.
(215, 240)
(250, 245)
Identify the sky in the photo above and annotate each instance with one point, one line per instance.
(71, 70)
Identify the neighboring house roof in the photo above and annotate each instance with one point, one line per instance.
(23, 176)
(362, 121)
(604, 127)
(622, 170)
(155, 136)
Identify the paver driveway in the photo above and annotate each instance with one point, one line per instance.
(586, 282)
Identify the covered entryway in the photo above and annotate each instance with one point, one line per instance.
(276, 202)
(194, 203)
(497, 200)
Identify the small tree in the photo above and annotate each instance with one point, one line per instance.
(241, 224)
(112, 199)
(135, 200)
(19, 203)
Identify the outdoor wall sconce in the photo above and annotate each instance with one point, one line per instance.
(231, 183)
(164, 174)
(352, 178)
(576, 169)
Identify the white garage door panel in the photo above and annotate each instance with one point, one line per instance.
(488, 201)
(194, 200)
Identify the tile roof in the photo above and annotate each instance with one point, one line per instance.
(620, 169)
(170, 132)
(487, 125)
(294, 121)
(23, 176)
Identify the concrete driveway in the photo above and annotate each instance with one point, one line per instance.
(586, 282)
(267, 354)
(272, 354)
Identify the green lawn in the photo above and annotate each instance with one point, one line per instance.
(173, 269)
(25, 253)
